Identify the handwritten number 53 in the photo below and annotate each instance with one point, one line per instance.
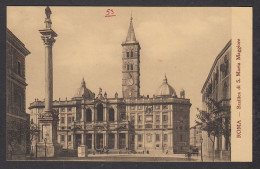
(110, 11)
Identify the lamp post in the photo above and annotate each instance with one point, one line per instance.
(45, 141)
(201, 141)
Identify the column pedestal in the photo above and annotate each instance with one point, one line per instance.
(47, 145)
(51, 149)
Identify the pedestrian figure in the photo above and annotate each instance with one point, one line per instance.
(189, 154)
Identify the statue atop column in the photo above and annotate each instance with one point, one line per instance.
(48, 17)
(48, 12)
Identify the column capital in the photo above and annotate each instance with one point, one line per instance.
(48, 40)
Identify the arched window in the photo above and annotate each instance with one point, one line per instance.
(127, 67)
(88, 115)
(127, 54)
(111, 115)
(100, 112)
(132, 67)
(132, 54)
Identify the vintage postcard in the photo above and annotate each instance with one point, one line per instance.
(135, 84)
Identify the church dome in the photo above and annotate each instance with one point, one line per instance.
(165, 89)
(83, 92)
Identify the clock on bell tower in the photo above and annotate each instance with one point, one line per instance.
(131, 65)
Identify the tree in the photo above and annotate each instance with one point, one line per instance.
(17, 130)
(13, 134)
(211, 121)
(34, 131)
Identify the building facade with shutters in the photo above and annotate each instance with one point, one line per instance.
(195, 137)
(218, 88)
(133, 123)
(16, 118)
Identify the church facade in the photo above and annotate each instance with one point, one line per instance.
(131, 124)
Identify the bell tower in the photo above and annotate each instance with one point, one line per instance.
(131, 64)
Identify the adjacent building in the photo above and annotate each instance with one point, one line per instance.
(218, 87)
(133, 123)
(16, 118)
(195, 137)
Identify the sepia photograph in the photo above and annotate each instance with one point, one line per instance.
(127, 84)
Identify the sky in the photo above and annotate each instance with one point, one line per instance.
(181, 42)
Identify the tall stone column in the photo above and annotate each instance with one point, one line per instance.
(83, 137)
(116, 114)
(93, 115)
(93, 142)
(72, 140)
(48, 146)
(116, 141)
(48, 39)
(126, 140)
(83, 114)
(223, 143)
(48, 42)
(104, 139)
(105, 113)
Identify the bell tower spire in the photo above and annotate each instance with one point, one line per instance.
(131, 64)
(130, 38)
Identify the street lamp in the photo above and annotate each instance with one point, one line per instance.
(45, 141)
(201, 141)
